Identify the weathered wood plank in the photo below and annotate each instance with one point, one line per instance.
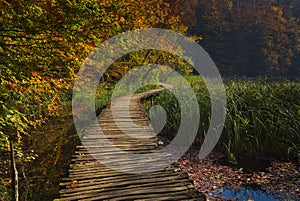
(90, 180)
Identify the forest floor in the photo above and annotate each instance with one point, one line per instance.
(279, 179)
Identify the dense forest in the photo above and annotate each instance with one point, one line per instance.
(44, 43)
(249, 38)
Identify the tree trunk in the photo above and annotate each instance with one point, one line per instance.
(14, 173)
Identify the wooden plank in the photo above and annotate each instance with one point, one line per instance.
(97, 194)
(132, 178)
(114, 186)
(90, 180)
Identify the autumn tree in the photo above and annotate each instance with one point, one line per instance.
(247, 38)
(43, 44)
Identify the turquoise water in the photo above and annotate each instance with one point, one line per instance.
(246, 193)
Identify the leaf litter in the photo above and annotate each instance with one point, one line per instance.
(281, 179)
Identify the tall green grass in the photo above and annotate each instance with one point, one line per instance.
(263, 119)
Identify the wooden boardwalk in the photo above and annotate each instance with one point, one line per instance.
(89, 179)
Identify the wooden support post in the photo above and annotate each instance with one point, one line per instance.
(14, 173)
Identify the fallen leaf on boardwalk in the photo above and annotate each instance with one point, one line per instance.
(74, 184)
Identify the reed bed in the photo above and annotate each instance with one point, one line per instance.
(263, 118)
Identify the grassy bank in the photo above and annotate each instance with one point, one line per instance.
(263, 118)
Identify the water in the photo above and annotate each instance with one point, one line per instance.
(246, 193)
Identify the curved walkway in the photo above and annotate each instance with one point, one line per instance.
(88, 179)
